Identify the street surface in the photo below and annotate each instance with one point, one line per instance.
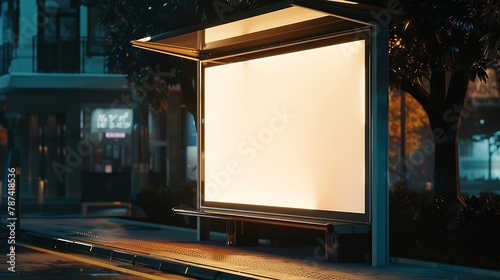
(33, 262)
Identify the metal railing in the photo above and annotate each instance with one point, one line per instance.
(70, 55)
(6, 55)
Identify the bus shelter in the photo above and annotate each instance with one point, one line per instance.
(292, 115)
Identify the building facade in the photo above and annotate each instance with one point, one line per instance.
(74, 129)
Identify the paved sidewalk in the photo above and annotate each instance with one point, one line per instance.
(176, 250)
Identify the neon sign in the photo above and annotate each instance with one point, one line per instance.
(111, 120)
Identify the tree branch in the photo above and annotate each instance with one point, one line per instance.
(419, 93)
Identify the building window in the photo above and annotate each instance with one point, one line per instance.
(465, 147)
(96, 31)
(58, 42)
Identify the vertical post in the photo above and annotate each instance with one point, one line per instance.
(140, 151)
(231, 232)
(490, 155)
(403, 133)
(379, 74)
(331, 244)
(202, 224)
(41, 191)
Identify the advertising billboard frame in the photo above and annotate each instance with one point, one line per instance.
(341, 16)
(274, 212)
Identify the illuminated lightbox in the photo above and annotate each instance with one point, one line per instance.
(287, 133)
(115, 121)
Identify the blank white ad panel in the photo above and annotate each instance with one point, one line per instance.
(288, 130)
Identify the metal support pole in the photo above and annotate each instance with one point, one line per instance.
(231, 232)
(203, 224)
(41, 191)
(379, 163)
(331, 244)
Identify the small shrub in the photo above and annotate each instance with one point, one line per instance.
(435, 230)
(402, 216)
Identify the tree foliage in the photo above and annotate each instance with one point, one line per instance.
(491, 17)
(416, 122)
(436, 36)
(416, 130)
(149, 74)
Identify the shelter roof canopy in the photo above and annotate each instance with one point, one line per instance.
(259, 29)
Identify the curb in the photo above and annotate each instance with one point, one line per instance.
(447, 267)
(169, 266)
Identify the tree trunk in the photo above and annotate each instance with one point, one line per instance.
(490, 155)
(446, 168)
(444, 120)
(444, 106)
(446, 178)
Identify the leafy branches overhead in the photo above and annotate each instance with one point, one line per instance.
(438, 36)
(150, 74)
(491, 17)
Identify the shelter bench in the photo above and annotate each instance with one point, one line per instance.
(234, 228)
(117, 204)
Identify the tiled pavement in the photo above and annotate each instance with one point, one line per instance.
(176, 250)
